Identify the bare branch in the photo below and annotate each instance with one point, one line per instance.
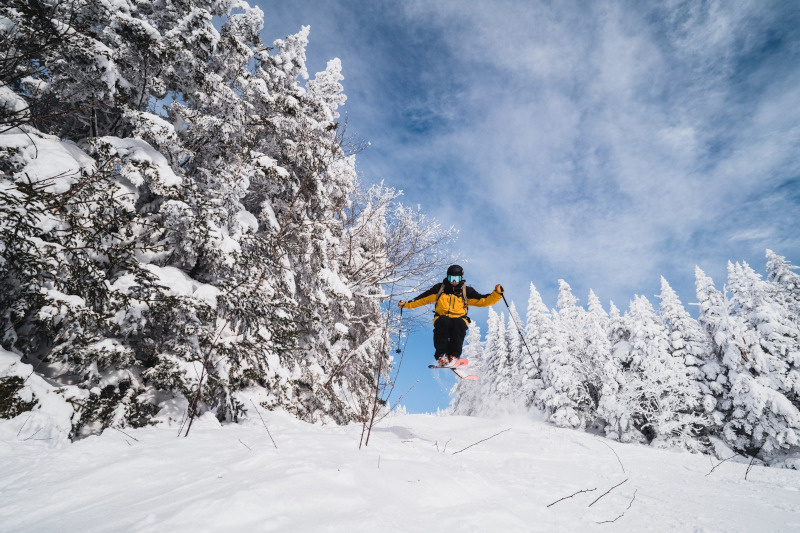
(571, 495)
(719, 463)
(606, 492)
(134, 438)
(615, 454)
(482, 440)
(623, 514)
(265, 424)
(753, 459)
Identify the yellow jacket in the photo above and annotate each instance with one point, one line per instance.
(453, 301)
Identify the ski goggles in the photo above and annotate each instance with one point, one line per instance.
(454, 279)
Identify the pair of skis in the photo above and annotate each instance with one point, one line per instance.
(458, 363)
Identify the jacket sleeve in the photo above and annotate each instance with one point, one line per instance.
(474, 298)
(427, 297)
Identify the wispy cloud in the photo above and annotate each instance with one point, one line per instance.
(606, 142)
(605, 137)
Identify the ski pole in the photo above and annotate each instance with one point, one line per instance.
(399, 331)
(519, 330)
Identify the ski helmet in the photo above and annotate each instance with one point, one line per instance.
(455, 270)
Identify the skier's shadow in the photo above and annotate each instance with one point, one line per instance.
(401, 432)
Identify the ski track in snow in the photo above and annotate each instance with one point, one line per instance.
(232, 478)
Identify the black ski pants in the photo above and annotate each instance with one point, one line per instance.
(448, 335)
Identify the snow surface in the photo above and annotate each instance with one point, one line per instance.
(413, 476)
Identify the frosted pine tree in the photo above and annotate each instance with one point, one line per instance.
(604, 377)
(197, 249)
(516, 352)
(689, 342)
(309, 179)
(566, 398)
(786, 293)
(762, 305)
(360, 354)
(764, 421)
(741, 399)
(469, 397)
(497, 360)
(714, 318)
(280, 158)
(69, 318)
(615, 408)
(781, 272)
(598, 346)
(663, 399)
(539, 337)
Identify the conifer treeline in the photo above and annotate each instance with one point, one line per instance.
(656, 375)
(181, 220)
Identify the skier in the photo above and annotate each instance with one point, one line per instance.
(452, 299)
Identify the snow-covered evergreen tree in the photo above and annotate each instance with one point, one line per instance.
(566, 397)
(663, 399)
(605, 373)
(758, 418)
(185, 243)
(764, 418)
(468, 395)
(615, 409)
(689, 342)
(714, 318)
(781, 272)
(497, 360)
(763, 306)
(516, 352)
(598, 346)
(539, 337)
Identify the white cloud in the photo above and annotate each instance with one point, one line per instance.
(605, 139)
(607, 142)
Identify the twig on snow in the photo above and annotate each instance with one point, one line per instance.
(265, 424)
(23, 425)
(245, 445)
(615, 453)
(753, 459)
(747, 472)
(606, 492)
(719, 463)
(134, 438)
(443, 450)
(571, 495)
(623, 514)
(483, 440)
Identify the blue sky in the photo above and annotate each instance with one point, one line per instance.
(606, 143)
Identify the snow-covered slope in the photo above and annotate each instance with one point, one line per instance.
(419, 473)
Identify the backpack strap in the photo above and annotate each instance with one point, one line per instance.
(463, 297)
(438, 295)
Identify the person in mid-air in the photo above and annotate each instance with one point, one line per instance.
(452, 299)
